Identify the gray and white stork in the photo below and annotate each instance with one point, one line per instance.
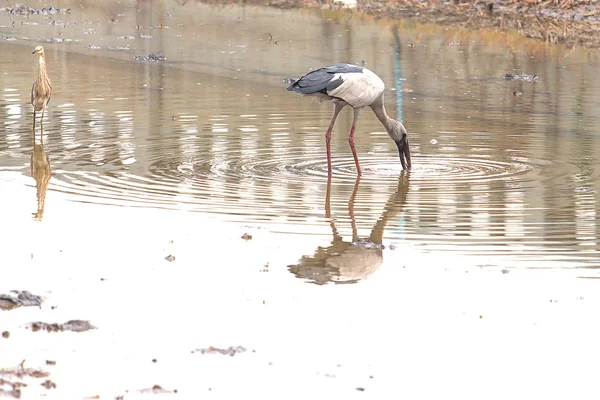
(358, 87)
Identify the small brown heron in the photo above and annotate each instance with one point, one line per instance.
(42, 87)
(358, 87)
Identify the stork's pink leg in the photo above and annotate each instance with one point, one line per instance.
(336, 111)
(351, 141)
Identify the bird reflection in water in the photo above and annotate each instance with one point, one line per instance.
(40, 171)
(345, 261)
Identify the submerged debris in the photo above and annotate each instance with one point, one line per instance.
(27, 11)
(158, 390)
(20, 372)
(170, 258)
(152, 57)
(368, 244)
(10, 379)
(18, 298)
(230, 351)
(521, 77)
(48, 384)
(246, 236)
(75, 325)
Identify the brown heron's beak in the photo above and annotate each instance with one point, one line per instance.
(33, 52)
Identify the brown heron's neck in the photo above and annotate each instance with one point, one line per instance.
(379, 110)
(42, 64)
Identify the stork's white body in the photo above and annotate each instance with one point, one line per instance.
(358, 89)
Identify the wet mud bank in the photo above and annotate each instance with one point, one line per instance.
(567, 22)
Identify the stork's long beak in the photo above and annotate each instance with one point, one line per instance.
(404, 153)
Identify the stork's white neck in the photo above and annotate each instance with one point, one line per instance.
(378, 108)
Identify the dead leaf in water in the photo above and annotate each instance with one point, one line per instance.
(246, 236)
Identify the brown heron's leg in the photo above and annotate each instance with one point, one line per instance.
(336, 111)
(43, 111)
(351, 140)
(34, 122)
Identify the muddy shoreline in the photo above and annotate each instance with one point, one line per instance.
(570, 23)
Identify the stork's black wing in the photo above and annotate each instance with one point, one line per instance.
(323, 79)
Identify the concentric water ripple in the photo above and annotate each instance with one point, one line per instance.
(265, 177)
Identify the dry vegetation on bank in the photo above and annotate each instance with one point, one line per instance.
(568, 22)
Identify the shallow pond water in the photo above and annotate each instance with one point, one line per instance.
(505, 171)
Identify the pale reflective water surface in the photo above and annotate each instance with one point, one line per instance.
(505, 171)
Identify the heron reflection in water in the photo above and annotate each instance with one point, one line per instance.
(351, 261)
(40, 171)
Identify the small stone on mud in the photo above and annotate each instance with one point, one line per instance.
(505, 271)
(50, 362)
(360, 389)
(246, 236)
(48, 384)
(170, 258)
(392, 247)
(154, 360)
(6, 334)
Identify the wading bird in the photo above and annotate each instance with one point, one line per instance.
(42, 87)
(358, 87)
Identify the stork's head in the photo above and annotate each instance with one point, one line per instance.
(398, 133)
(38, 50)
